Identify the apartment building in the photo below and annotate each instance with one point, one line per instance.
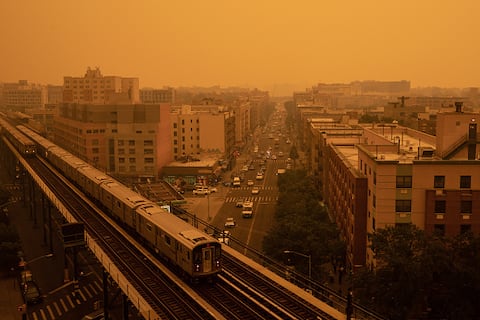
(202, 129)
(130, 141)
(398, 175)
(155, 96)
(23, 95)
(94, 88)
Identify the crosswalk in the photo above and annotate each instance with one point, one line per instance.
(249, 188)
(57, 308)
(252, 198)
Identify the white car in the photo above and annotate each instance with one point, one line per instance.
(213, 189)
(259, 176)
(201, 191)
(230, 223)
(255, 190)
(250, 183)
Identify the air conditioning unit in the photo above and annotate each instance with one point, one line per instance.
(439, 192)
(403, 191)
(439, 216)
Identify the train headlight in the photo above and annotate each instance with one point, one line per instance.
(197, 267)
(218, 263)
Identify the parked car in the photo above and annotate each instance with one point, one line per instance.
(31, 293)
(213, 189)
(230, 223)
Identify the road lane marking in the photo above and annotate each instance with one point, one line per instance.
(65, 308)
(55, 304)
(50, 311)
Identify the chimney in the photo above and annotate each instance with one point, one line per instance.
(458, 106)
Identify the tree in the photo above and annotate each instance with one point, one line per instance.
(302, 224)
(294, 155)
(417, 274)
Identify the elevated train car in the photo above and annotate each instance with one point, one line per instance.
(191, 251)
(21, 142)
(90, 180)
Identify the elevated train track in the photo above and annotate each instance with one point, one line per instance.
(240, 292)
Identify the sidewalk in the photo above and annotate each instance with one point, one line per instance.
(10, 298)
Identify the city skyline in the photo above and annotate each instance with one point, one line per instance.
(268, 45)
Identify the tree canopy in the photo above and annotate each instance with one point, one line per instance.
(419, 275)
(301, 224)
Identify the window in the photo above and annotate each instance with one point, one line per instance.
(148, 143)
(440, 206)
(374, 201)
(131, 142)
(148, 151)
(466, 206)
(439, 229)
(404, 181)
(121, 151)
(148, 160)
(131, 151)
(131, 160)
(121, 160)
(95, 150)
(403, 205)
(465, 182)
(439, 182)
(120, 142)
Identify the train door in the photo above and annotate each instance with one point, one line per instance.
(207, 254)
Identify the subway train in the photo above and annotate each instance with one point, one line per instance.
(195, 254)
(23, 144)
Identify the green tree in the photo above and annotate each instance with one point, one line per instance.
(294, 155)
(417, 274)
(301, 224)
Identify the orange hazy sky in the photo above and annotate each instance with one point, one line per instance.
(246, 43)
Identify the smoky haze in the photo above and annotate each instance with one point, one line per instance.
(272, 45)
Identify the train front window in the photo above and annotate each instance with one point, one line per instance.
(207, 255)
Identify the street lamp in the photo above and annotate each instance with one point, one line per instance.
(23, 264)
(309, 257)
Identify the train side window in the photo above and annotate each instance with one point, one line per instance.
(167, 240)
